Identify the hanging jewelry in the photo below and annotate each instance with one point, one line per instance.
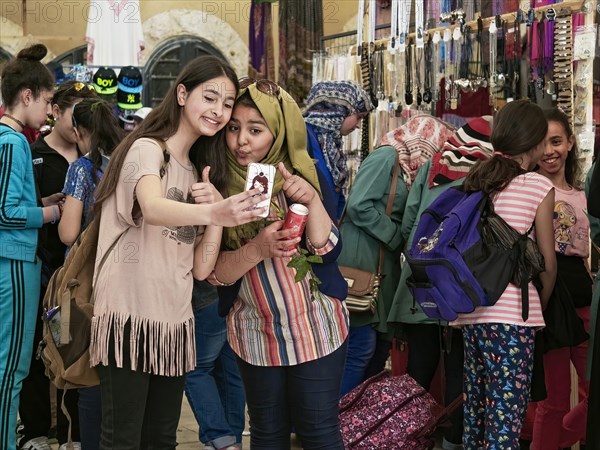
(446, 50)
(427, 97)
(493, 30)
(435, 76)
(408, 96)
(456, 58)
(563, 61)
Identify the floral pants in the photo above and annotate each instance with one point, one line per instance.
(497, 378)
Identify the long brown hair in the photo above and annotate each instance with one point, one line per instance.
(96, 117)
(26, 71)
(163, 121)
(518, 128)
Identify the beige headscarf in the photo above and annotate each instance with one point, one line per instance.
(285, 121)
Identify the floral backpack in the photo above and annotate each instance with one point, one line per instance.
(389, 412)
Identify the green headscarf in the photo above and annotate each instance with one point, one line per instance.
(285, 121)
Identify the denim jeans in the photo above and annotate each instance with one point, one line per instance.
(304, 396)
(90, 417)
(214, 388)
(362, 342)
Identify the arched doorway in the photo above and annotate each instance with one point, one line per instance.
(167, 61)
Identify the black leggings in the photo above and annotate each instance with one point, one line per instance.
(425, 344)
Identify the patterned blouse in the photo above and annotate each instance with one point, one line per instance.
(278, 322)
(80, 185)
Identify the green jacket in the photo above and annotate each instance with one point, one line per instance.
(419, 198)
(366, 226)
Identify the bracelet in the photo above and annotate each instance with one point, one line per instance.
(53, 221)
(213, 280)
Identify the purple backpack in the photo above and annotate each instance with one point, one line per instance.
(464, 255)
(390, 413)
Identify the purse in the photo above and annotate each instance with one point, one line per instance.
(363, 285)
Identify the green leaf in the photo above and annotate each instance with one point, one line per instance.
(296, 262)
(314, 259)
(301, 273)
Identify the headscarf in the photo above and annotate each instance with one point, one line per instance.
(417, 141)
(470, 144)
(327, 106)
(284, 119)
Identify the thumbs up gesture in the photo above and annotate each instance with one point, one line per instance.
(296, 188)
(204, 192)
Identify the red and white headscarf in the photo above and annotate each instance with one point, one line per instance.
(416, 141)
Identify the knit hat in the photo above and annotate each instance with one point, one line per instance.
(130, 80)
(470, 144)
(105, 81)
(128, 101)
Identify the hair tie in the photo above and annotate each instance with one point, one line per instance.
(496, 153)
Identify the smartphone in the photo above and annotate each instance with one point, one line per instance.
(52, 319)
(261, 176)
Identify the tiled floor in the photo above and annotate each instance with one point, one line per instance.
(187, 433)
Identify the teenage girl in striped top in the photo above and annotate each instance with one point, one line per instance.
(499, 343)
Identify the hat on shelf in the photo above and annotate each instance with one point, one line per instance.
(141, 113)
(126, 121)
(128, 100)
(130, 80)
(105, 81)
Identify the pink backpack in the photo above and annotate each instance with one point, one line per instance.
(391, 413)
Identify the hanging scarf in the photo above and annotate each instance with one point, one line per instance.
(260, 40)
(417, 141)
(327, 106)
(470, 144)
(284, 119)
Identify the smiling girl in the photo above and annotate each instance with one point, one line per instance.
(556, 424)
(156, 240)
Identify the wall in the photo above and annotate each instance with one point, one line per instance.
(61, 24)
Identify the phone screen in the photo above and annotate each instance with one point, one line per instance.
(261, 176)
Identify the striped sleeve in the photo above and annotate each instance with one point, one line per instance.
(15, 166)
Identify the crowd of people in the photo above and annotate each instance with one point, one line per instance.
(213, 306)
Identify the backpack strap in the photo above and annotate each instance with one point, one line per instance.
(524, 282)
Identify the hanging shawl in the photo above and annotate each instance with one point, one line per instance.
(284, 119)
(327, 106)
(300, 33)
(260, 40)
(460, 152)
(417, 141)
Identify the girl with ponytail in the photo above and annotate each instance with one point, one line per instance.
(98, 134)
(498, 341)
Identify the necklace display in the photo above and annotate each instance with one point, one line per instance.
(408, 96)
(15, 120)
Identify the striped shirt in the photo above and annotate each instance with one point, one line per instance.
(517, 204)
(278, 322)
